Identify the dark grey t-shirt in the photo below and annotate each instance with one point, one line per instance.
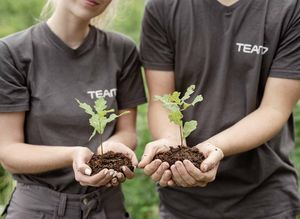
(41, 75)
(228, 53)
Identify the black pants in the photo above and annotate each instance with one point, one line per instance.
(37, 202)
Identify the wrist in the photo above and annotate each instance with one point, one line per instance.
(211, 146)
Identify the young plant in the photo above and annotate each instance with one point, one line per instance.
(176, 106)
(99, 118)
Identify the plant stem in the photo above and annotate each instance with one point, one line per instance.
(101, 140)
(181, 136)
(101, 144)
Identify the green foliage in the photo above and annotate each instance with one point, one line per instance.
(177, 105)
(99, 118)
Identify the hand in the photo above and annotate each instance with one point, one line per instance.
(82, 171)
(185, 174)
(158, 170)
(120, 177)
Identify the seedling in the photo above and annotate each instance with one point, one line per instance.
(100, 117)
(176, 106)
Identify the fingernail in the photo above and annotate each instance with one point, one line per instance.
(115, 174)
(105, 171)
(87, 171)
(123, 168)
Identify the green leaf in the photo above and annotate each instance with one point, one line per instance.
(93, 134)
(100, 105)
(199, 98)
(111, 117)
(189, 127)
(167, 103)
(175, 98)
(176, 117)
(188, 92)
(87, 108)
(186, 106)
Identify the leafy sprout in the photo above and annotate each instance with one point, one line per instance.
(176, 106)
(100, 117)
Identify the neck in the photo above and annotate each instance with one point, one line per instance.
(69, 28)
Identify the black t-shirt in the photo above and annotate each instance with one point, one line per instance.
(228, 53)
(41, 75)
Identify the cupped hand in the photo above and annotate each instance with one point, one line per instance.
(117, 147)
(82, 171)
(185, 174)
(156, 169)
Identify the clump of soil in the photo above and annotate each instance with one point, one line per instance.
(109, 160)
(180, 154)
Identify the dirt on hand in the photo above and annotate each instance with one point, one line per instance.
(109, 160)
(181, 153)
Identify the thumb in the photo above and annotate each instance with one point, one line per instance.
(134, 160)
(148, 155)
(84, 169)
(211, 161)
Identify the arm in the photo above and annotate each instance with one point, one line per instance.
(279, 99)
(18, 157)
(162, 130)
(125, 132)
(21, 158)
(280, 96)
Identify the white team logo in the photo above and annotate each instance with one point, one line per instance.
(103, 93)
(248, 48)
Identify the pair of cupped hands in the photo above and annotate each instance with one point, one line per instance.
(183, 174)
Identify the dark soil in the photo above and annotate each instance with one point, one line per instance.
(109, 160)
(180, 154)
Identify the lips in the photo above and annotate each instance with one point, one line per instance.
(92, 2)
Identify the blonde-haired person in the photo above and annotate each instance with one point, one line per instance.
(44, 134)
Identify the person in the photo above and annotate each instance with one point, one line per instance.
(44, 133)
(244, 58)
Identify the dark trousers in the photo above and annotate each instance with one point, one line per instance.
(37, 202)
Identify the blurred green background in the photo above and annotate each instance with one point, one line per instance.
(140, 193)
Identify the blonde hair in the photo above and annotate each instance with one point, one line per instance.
(101, 21)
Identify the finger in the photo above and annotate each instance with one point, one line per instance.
(193, 171)
(213, 159)
(114, 182)
(127, 172)
(120, 177)
(134, 159)
(187, 178)
(156, 176)
(83, 168)
(90, 180)
(108, 185)
(171, 183)
(176, 177)
(202, 178)
(100, 181)
(152, 167)
(166, 177)
(148, 155)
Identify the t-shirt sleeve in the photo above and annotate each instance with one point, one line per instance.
(130, 86)
(14, 95)
(286, 63)
(156, 46)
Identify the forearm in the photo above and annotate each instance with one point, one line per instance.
(31, 159)
(159, 124)
(127, 137)
(250, 132)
